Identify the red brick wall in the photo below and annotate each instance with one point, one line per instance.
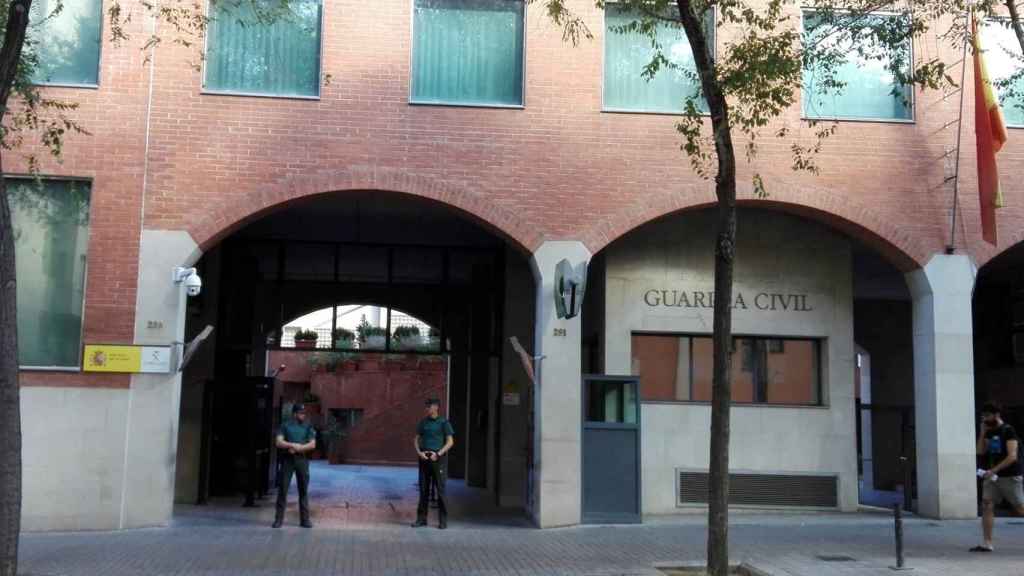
(391, 394)
(113, 155)
(557, 169)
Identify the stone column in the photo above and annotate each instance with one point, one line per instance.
(154, 399)
(557, 489)
(944, 387)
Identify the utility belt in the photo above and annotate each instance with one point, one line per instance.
(286, 454)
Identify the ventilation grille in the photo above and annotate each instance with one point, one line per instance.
(790, 490)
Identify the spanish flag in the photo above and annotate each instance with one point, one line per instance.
(990, 135)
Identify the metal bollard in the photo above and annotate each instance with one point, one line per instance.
(908, 490)
(900, 561)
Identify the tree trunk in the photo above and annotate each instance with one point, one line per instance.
(725, 243)
(1015, 22)
(10, 403)
(10, 409)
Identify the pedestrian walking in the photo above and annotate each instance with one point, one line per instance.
(434, 438)
(295, 440)
(998, 444)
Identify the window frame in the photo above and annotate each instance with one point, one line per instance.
(204, 91)
(912, 103)
(604, 54)
(412, 101)
(1002, 105)
(85, 271)
(99, 68)
(824, 400)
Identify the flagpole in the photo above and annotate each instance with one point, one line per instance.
(951, 247)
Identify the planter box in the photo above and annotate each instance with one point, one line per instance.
(410, 343)
(373, 343)
(305, 344)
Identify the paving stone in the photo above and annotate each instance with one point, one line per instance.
(369, 536)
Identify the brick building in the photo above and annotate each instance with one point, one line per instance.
(441, 157)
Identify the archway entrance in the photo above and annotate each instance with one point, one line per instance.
(372, 302)
(822, 361)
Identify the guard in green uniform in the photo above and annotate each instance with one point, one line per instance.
(295, 441)
(434, 438)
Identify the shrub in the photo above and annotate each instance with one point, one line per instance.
(344, 334)
(406, 332)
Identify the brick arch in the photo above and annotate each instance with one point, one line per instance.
(822, 205)
(1009, 241)
(208, 226)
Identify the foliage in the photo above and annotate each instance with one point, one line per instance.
(344, 334)
(365, 330)
(329, 360)
(306, 335)
(406, 332)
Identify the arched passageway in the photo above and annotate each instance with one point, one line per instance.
(455, 282)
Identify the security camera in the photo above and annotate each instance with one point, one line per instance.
(187, 276)
(193, 284)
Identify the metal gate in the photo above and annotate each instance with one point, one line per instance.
(611, 449)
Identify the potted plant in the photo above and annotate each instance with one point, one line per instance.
(406, 338)
(344, 338)
(433, 343)
(371, 337)
(305, 339)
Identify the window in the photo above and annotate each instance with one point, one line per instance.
(344, 418)
(66, 42)
(264, 47)
(1002, 56)
(51, 236)
(626, 54)
(468, 52)
(764, 370)
(866, 90)
(611, 402)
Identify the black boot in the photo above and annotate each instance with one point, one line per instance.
(420, 522)
(277, 523)
(443, 523)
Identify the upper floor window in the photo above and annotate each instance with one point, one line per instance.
(626, 54)
(264, 47)
(66, 41)
(51, 237)
(468, 52)
(1003, 58)
(862, 88)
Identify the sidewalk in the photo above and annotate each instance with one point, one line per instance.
(362, 517)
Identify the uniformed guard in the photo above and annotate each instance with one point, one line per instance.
(434, 438)
(295, 440)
